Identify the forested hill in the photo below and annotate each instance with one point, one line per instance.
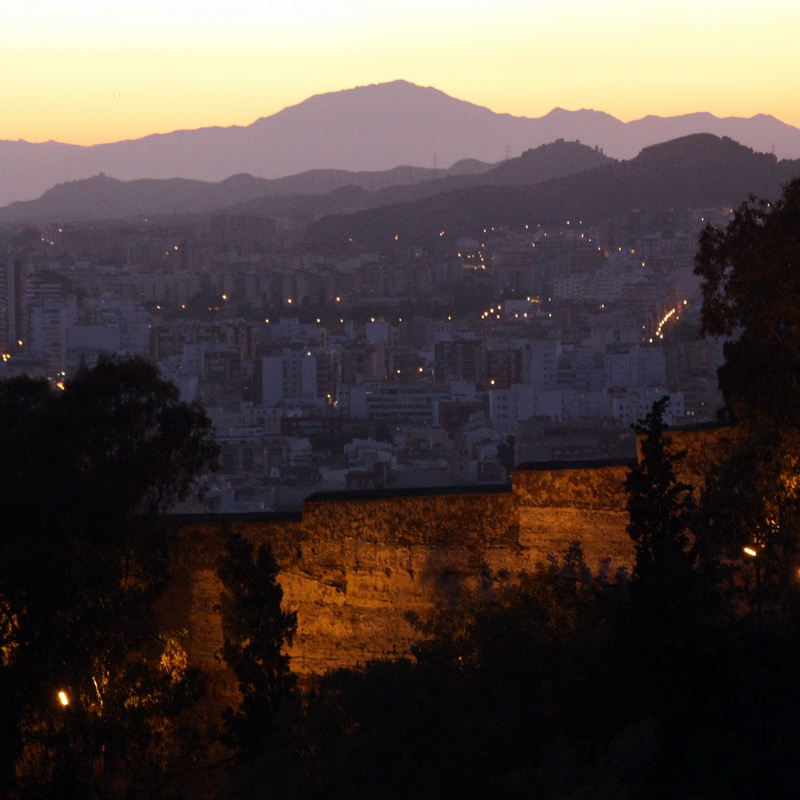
(698, 171)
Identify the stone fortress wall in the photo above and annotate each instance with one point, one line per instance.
(353, 564)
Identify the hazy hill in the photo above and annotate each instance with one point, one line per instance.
(534, 166)
(103, 197)
(697, 171)
(369, 128)
(306, 196)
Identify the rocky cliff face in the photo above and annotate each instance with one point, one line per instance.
(355, 564)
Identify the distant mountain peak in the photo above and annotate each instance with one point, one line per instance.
(369, 128)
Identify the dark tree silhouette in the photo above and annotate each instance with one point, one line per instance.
(751, 292)
(659, 508)
(85, 475)
(256, 632)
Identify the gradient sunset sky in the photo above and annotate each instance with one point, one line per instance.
(89, 71)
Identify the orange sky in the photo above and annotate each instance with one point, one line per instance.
(93, 71)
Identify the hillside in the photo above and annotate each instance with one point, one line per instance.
(698, 171)
(306, 196)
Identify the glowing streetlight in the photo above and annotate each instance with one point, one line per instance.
(63, 698)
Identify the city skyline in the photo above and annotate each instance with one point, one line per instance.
(91, 73)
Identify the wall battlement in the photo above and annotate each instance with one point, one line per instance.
(353, 564)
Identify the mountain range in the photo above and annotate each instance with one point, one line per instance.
(366, 129)
(700, 171)
(548, 184)
(302, 197)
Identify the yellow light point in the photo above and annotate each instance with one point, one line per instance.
(224, 297)
(63, 698)
(750, 551)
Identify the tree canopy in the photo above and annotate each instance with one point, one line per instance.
(751, 293)
(85, 475)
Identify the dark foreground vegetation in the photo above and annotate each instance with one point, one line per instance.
(678, 679)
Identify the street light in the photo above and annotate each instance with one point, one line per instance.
(63, 698)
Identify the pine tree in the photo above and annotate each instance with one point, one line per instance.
(659, 508)
(256, 633)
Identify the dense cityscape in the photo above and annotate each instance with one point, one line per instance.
(404, 366)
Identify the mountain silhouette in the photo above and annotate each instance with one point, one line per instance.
(369, 128)
(697, 171)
